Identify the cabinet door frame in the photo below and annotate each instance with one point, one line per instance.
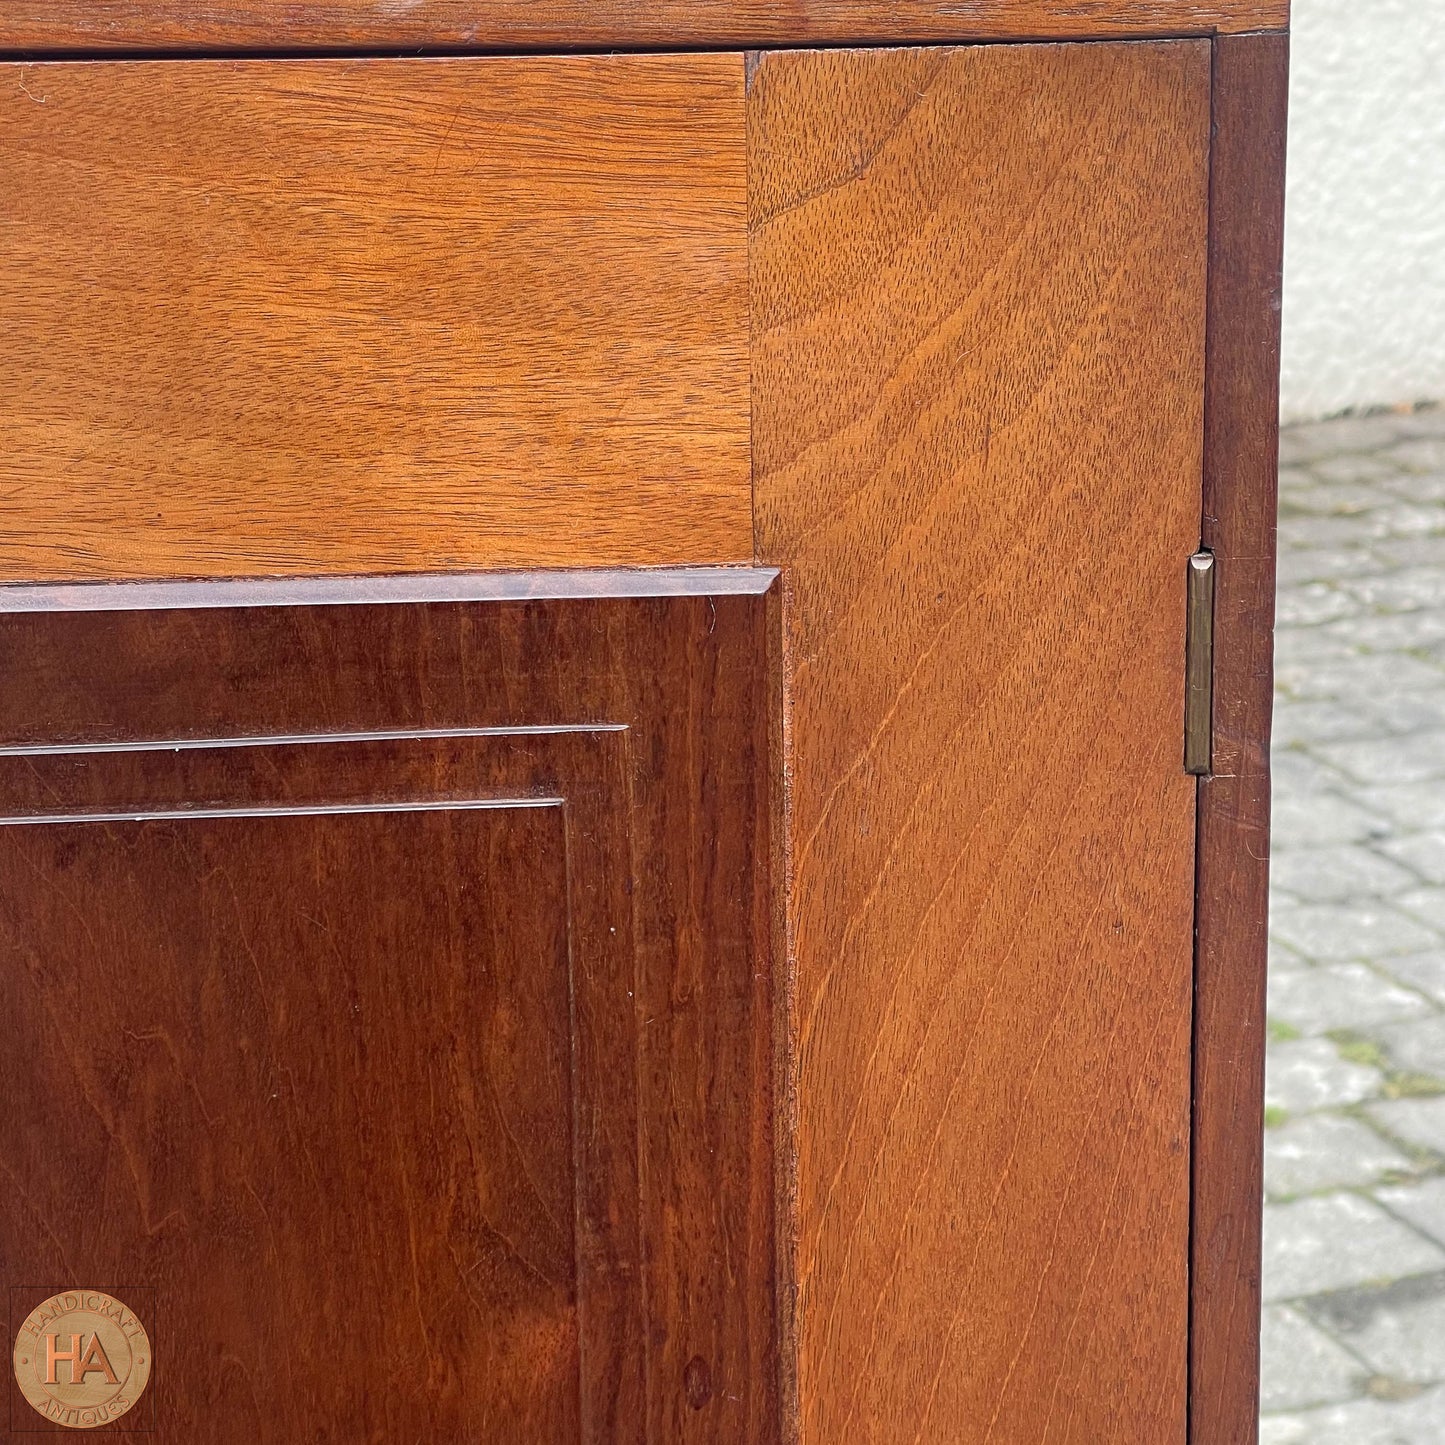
(1241, 458)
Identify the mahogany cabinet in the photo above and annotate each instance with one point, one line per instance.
(595, 625)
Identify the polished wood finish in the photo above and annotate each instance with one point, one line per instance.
(327, 1086)
(1240, 456)
(570, 24)
(978, 329)
(389, 989)
(411, 936)
(372, 316)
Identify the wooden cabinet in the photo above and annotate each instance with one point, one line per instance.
(595, 837)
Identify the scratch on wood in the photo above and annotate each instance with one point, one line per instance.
(20, 81)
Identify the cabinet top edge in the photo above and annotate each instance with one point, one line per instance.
(565, 584)
(231, 26)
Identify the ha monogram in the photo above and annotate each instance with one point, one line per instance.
(82, 1358)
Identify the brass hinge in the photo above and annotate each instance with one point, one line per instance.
(1199, 666)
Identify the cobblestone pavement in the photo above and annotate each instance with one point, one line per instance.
(1354, 1229)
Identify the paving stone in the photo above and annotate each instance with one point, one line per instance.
(1337, 1241)
(1307, 1074)
(1414, 712)
(1313, 603)
(1283, 906)
(1390, 631)
(1417, 1121)
(1338, 873)
(1410, 759)
(1417, 486)
(1314, 646)
(1325, 1151)
(1295, 451)
(1422, 1204)
(1415, 551)
(1344, 1314)
(1432, 652)
(1422, 853)
(1417, 1421)
(1420, 454)
(1301, 1365)
(1341, 996)
(1322, 492)
(1411, 807)
(1364, 930)
(1338, 533)
(1423, 421)
(1322, 564)
(1284, 962)
(1359, 761)
(1283, 1429)
(1426, 904)
(1312, 440)
(1300, 771)
(1323, 721)
(1417, 1045)
(1345, 473)
(1406, 519)
(1325, 817)
(1398, 591)
(1405, 1339)
(1368, 674)
(1423, 971)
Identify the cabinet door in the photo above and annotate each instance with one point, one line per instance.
(388, 1000)
(450, 917)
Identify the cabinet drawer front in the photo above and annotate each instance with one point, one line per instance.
(291, 317)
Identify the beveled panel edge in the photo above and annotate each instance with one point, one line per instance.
(292, 740)
(305, 810)
(562, 584)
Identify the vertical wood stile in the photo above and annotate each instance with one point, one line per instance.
(978, 318)
(1240, 461)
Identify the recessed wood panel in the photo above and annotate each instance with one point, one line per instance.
(553, 24)
(372, 315)
(977, 390)
(229, 1073)
(391, 994)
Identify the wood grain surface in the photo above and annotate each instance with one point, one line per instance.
(371, 316)
(1251, 84)
(390, 995)
(552, 24)
(977, 382)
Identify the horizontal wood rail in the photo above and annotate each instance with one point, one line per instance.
(229, 25)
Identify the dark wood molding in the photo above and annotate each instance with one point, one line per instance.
(1240, 461)
(181, 27)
